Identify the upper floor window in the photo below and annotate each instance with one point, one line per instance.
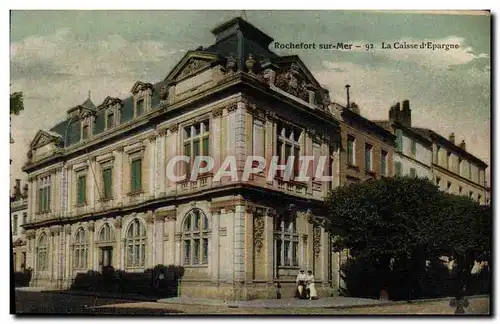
(351, 147)
(107, 181)
(139, 109)
(460, 166)
(195, 237)
(368, 157)
(399, 140)
(413, 147)
(448, 186)
(469, 174)
(196, 142)
(81, 189)
(383, 163)
(288, 145)
(448, 160)
(286, 240)
(413, 172)
(438, 153)
(44, 193)
(471, 195)
(25, 218)
(460, 190)
(14, 224)
(438, 181)
(135, 243)
(136, 175)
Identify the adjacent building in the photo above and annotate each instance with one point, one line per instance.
(19, 217)
(99, 194)
(454, 169)
(367, 148)
(413, 150)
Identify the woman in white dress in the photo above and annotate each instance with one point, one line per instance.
(310, 285)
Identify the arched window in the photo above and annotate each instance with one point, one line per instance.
(80, 249)
(136, 244)
(286, 239)
(195, 237)
(105, 234)
(42, 253)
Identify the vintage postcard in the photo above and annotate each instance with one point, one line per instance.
(250, 162)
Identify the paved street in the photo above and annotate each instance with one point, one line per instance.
(57, 303)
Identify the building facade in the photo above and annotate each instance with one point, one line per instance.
(19, 217)
(100, 193)
(413, 151)
(367, 149)
(454, 169)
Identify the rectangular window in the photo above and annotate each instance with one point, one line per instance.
(448, 160)
(413, 172)
(44, 195)
(82, 190)
(368, 157)
(295, 254)
(14, 225)
(459, 190)
(139, 108)
(479, 197)
(438, 181)
(350, 150)
(383, 163)
(286, 253)
(196, 143)
(136, 175)
(288, 144)
(471, 195)
(397, 168)
(25, 218)
(448, 186)
(110, 120)
(399, 140)
(413, 147)
(23, 260)
(469, 175)
(107, 183)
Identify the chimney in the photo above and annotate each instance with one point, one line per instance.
(462, 145)
(406, 113)
(452, 138)
(25, 190)
(348, 101)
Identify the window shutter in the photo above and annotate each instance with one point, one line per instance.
(399, 140)
(398, 168)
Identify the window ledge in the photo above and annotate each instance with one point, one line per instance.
(352, 166)
(106, 199)
(371, 173)
(195, 265)
(81, 205)
(289, 267)
(135, 193)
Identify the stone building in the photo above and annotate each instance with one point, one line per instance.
(99, 194)
(19, 217)
(454, 169)
(367, 148)
(413, 150)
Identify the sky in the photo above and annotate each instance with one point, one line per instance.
(57, 57)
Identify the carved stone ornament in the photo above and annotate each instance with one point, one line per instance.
(171, 215)
(217, 112)
(316, 240)
(250, 63)
(91, 226)
(231, 65)
(118, 222)
(152, 138)
(232, 107)
(54, 230)
(149, 218)
(258, 232)
(30, 234)
(191, 67)
(161, 131)
(173, 128)
(293, 81)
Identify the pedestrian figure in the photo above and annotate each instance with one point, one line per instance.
(301, 284)
(311, 288)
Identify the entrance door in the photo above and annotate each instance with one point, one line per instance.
(106, 257)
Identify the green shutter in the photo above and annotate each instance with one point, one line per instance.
(399, 140)
(139, 174)
(136, 175)
(414, 147)
(107, 179)
(367, 158)
(196, 148)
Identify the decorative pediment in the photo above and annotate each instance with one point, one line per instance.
(43, 138)
(19, 242)
(140, 86)
(293, 77)
(110, 102)
(85, 113)
(192, 63)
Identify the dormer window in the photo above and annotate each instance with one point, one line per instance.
(139, 109)
(85, 132)
(110, 120)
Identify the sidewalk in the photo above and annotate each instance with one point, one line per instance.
(123, 296)
(326, 302)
